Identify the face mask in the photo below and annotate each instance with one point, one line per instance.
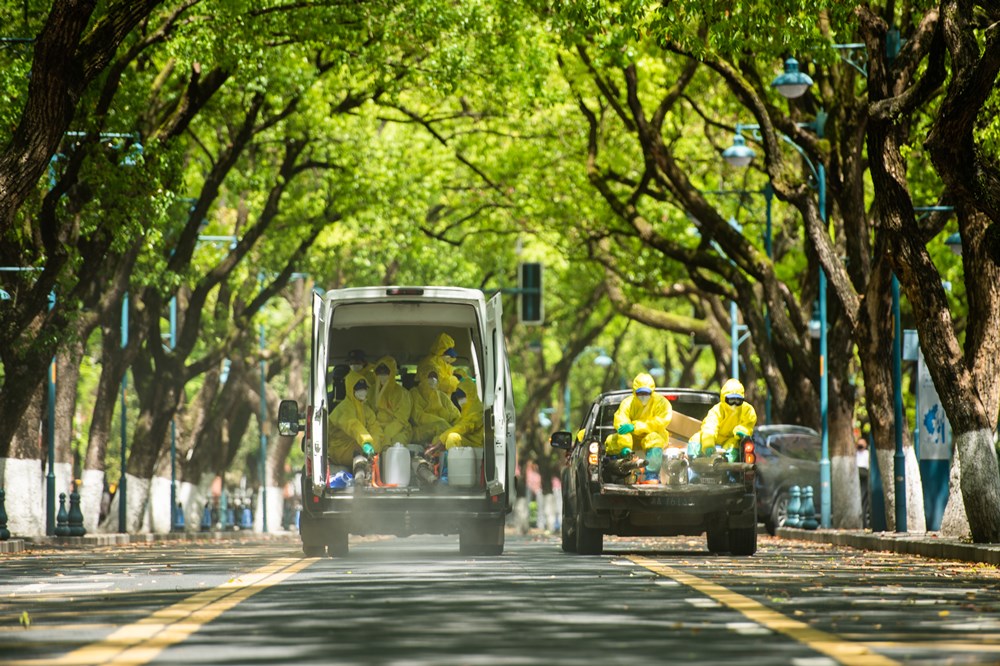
(461, 403)
(382, 379)
(433, 383)
(356, 367)
(361, 395)
(643, 399)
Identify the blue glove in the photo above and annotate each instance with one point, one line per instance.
(626, 452)
(625, 428)
(368, 450)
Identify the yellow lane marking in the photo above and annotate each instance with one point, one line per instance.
(140, 642)
(850, 654)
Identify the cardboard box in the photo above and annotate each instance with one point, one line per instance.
(683, 426)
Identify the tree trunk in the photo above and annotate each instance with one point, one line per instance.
(22, 475)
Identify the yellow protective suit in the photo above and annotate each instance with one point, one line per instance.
(720, 425)
(392, 405)
(367, 370)
(468, 430)
(436, 360)
(352, 425)
(650, 420)
(432, 412)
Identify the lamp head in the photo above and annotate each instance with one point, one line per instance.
(792, 83)
(603, 360)
(954, 243)
(739, 154)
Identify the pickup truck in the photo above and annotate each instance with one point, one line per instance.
(709, 495)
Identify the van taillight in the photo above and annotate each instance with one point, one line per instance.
(748, 452)
(309, 426)
(396, 291)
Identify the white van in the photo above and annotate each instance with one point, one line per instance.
(405, 322)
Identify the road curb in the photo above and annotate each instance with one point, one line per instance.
(924, 545)
(12, 546)
(98, 540)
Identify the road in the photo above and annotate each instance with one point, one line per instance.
(417, 601)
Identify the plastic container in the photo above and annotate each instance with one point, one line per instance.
(341, 479)
(397, 465)
(462, 466)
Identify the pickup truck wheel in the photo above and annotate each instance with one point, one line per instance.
(336, 545)
(717, 540)
(588, 540)
(485, 537)
(743, 541)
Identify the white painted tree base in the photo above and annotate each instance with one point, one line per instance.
(137, 494)
(24, 485)
(845, 493)
(91, 492)
(915, 519)
(275, 511)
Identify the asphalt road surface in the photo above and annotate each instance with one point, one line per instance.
(417, 601)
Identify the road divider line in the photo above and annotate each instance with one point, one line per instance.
(845, 652)
(141, 642)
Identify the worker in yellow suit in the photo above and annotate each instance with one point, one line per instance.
(468, 429)
(354, 428)
(641, 420)
(392, 403)
(432, 411)
(728, 422)
(441, 359)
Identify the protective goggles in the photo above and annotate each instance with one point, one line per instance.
(734, 400)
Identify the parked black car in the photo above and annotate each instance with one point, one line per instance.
(717, 499)
(787, 455)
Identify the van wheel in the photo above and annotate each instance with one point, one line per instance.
(588, 540)
(717, 540)
(336, 545)
(485, 537)
(743, 541)
(312, 540)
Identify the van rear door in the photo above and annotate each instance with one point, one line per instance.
(503, 400)
(317, 391)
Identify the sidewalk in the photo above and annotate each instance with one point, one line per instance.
(929, 544)
(21, 545)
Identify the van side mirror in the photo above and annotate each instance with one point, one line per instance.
(288, 418)
(562, 439)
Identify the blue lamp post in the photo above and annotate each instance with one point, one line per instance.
(263, 434)
(791, 84)
(740, 155)
(601, 360)
(122, 493)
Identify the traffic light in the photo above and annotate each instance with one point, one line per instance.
(529, 298)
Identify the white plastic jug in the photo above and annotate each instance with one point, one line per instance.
(396, 465)
(462, 466)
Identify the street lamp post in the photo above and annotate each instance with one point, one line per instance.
(602, 360)
(739, 154)
(122, 492)
(263, 434)
(174, 525)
